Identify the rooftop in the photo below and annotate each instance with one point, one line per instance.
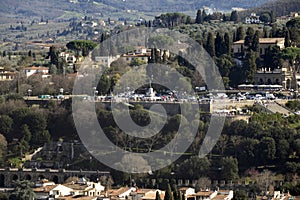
(117, 192)
(46, 189)
(203, 193)
(37, 68)
(264, 41)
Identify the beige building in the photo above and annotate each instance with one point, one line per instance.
(281, 77)
(6, 75)
(264, 44)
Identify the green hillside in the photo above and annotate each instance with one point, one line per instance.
(12, 10)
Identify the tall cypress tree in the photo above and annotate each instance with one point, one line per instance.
(199, 19)
(219, 45)
(227, 44)
(210, 45)
(272, 17)
(204, 15)
(250, 66)
(255, 42)
(234, 16)
(168, 194)
(53, 53)
(249, 37)
(287, 39)
(157, 196)
(240, 34)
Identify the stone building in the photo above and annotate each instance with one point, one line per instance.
(264, 45)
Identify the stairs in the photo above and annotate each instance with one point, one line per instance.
(274, 107)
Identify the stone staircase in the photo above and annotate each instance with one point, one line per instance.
(274, 107)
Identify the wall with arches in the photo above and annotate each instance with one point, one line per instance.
(9, 175)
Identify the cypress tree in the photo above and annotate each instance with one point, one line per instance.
(272, 16)
(249, 37)
(240, 34)
(224, 18)
(199, 19)
(157, 196)
(168, 194)
(219, 45)
(204, 16)
(287, 39)
(234, 16)
(53, 53)
(255, 42)
(210, 45)
(250, 66)
(227, 44)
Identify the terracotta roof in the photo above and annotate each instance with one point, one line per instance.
(220, 197)
(143, 191)
(263, 41)
(45, 189)
(77, 197)
(152, 195)
(117, 192)
(183, 188)
(203, 193)
(37, 68)
(7, 72)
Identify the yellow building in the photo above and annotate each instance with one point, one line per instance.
(264, 44)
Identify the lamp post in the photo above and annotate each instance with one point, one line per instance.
(29, 92)
(151, 78)
(95, 92)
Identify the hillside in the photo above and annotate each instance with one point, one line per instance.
(279, 7)
(12, 10)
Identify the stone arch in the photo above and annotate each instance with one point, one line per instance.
(14, 177)
(40, 177)
(80, 176)
(65, 178)
(2, 180)
(261, 81)
(269, 82)
(93, 177)
(288, 84)
(55, 179)
(28, 177)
